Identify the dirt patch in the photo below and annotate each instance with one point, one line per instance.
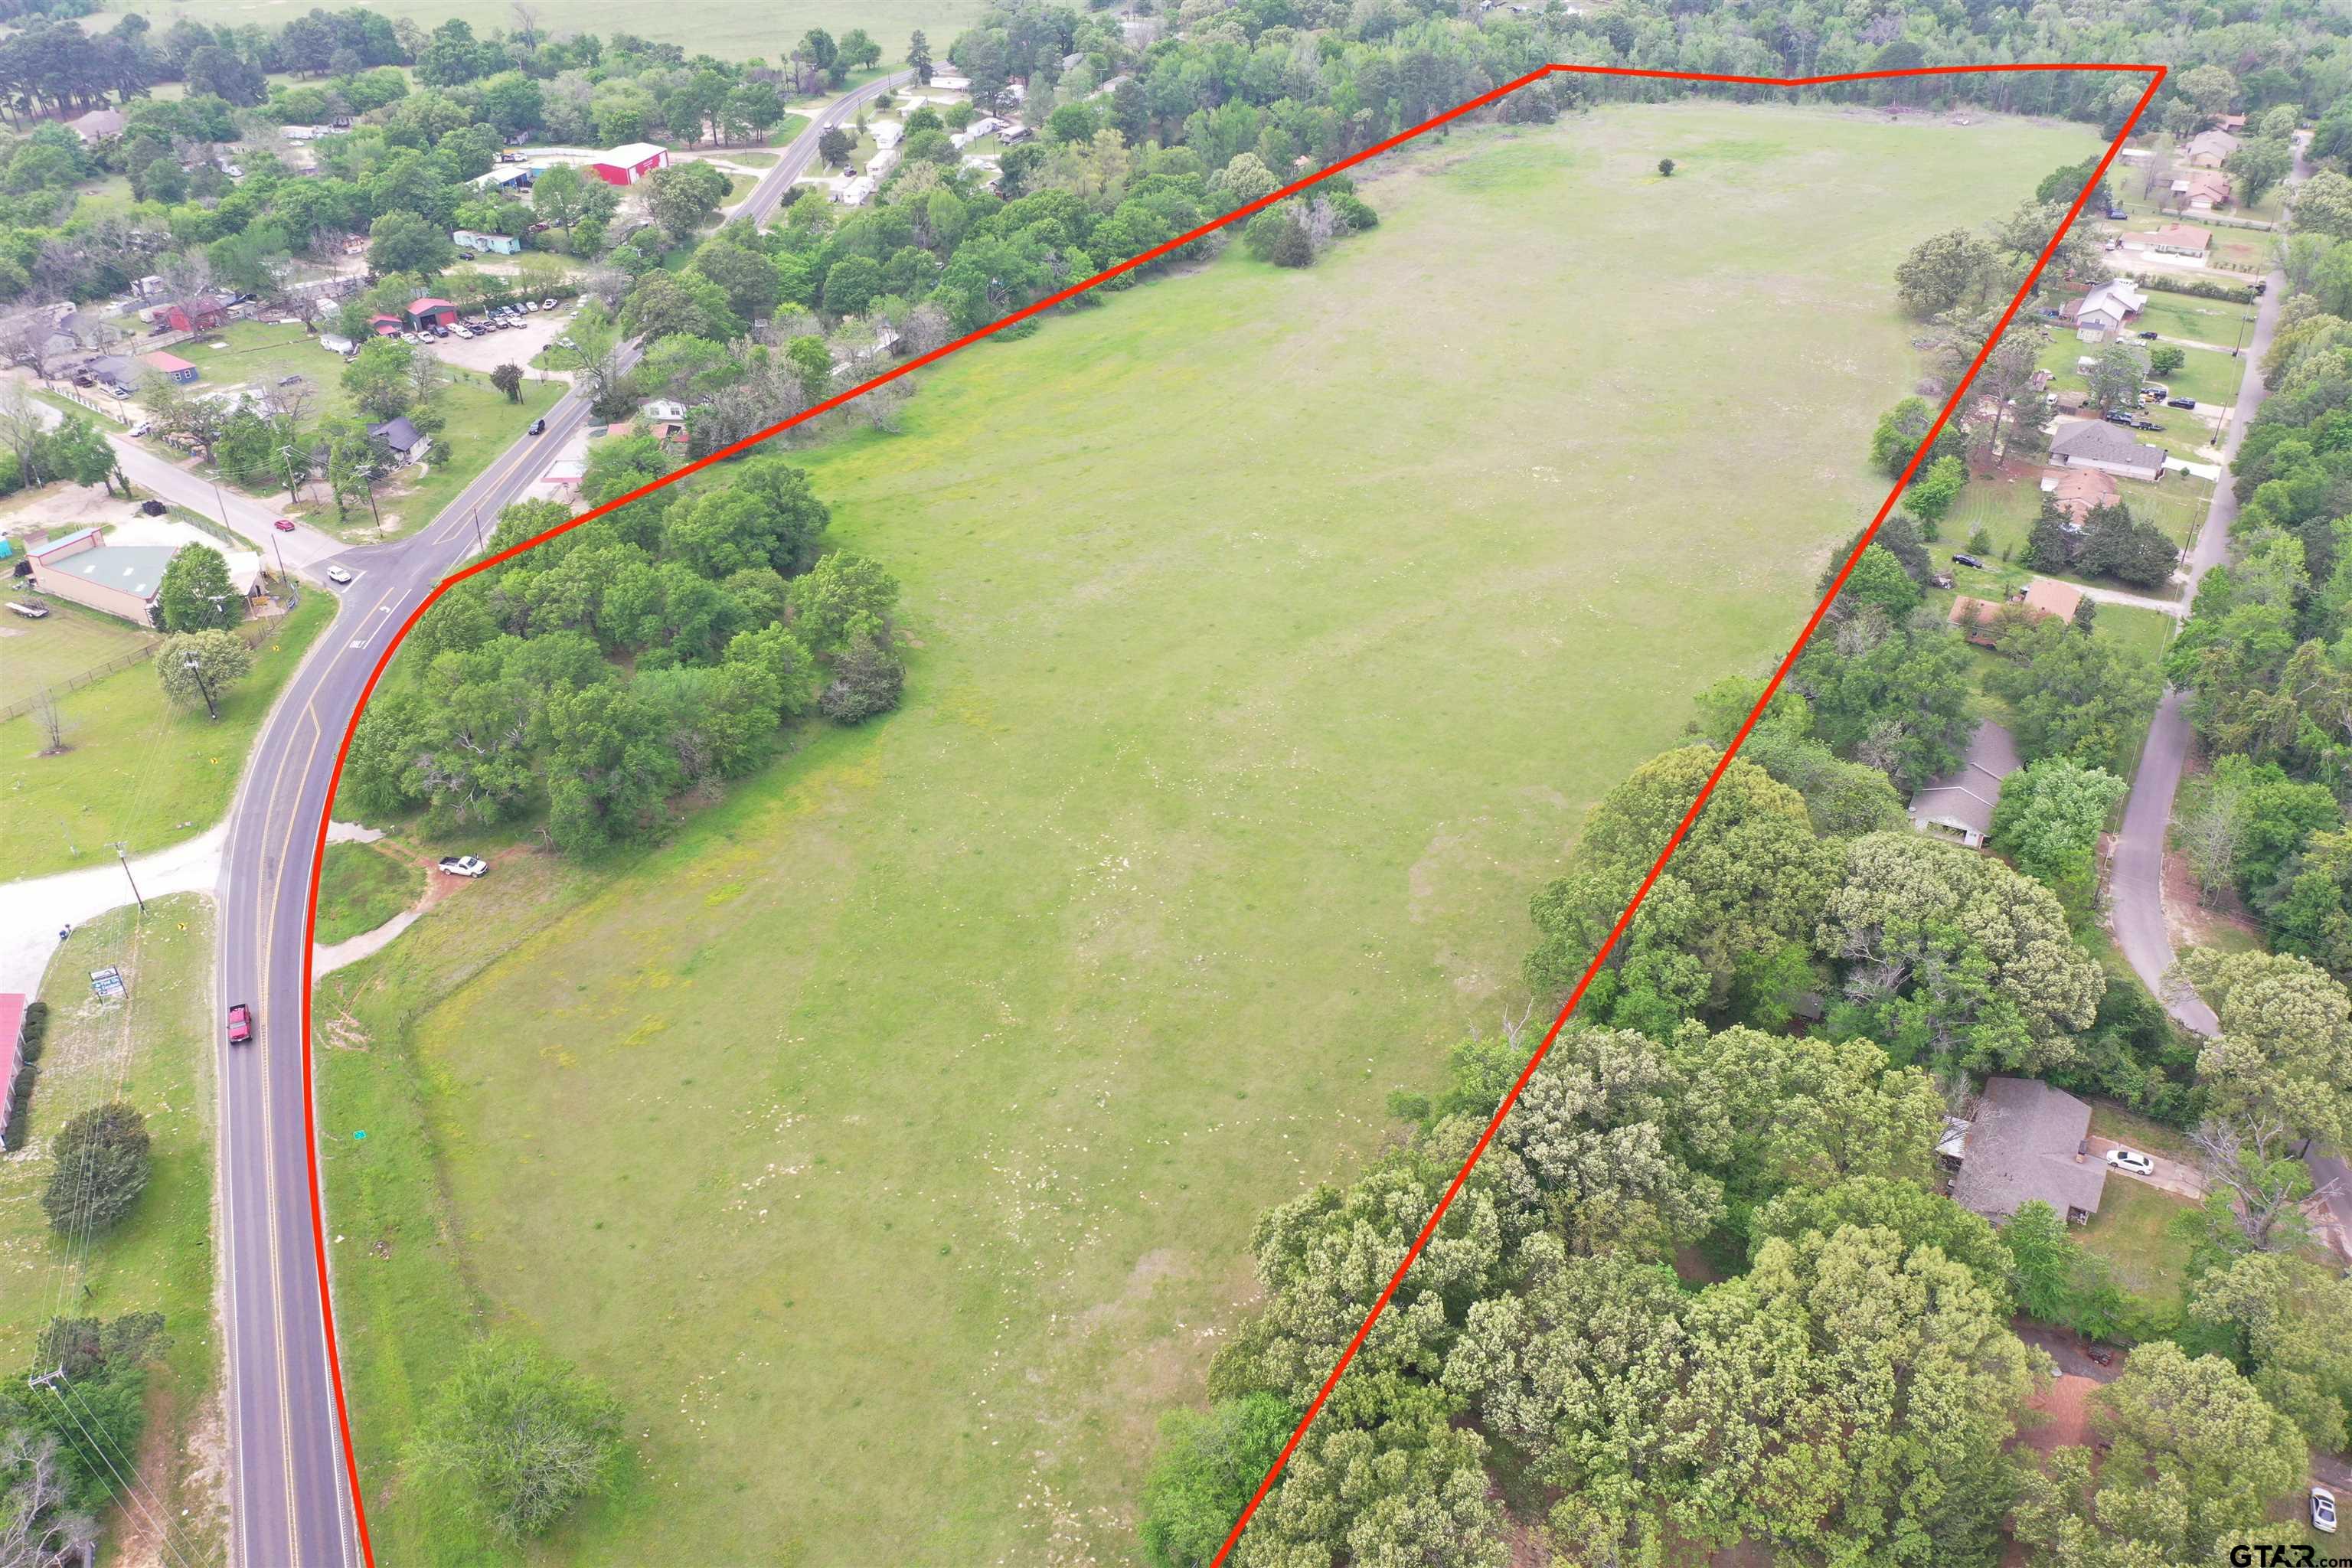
(2224, 923)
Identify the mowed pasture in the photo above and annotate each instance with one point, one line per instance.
(891, 1140)
(728, 29)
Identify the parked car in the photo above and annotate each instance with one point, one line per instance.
(2181, 403)
(150, 507)
(2146, 424)
(2322, 1510)
(338, 574)
(565, 343)
(539, 426)
(2131, 1160)
(29, 611)
(240, 1025)
(142, 428)
(440, 331)
(547, 304)
(284, 525)
(2120, 417)
(1960, 559)
(2150, 336)
(290, 380)
(464, 865)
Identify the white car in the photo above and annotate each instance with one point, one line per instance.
(464, 865)
(2131, 1160)
(547, 304)
(142, 428)
(337, 575)
(2322, 1510)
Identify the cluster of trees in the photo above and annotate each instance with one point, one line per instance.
(32, 454)
(1846, 1391)
(2266, 654)
(652, 652)
(2108, 543)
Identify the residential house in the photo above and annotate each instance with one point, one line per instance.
(2028, 1143)
(855, 193)
(629, 163)
(12, 1051)
(1113, 84)
(2209, 149)
(887, 133)
(2100, 315)
(664, 411)
(204, 313)
(403, 440)
(2047, 597)
(171, 367)
(485, 244)
(1959, 805)
(2079, 492)
(433, 312)
(2096, 444)
(2173, 239)
(507, 177)
(110, 370)
(96, 126)
(383, 325)
(2200, 191)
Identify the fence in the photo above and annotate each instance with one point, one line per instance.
(253, 631)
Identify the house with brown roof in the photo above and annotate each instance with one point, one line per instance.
(2209, 149)
(2181, 239)
(2201, 190)
(2048, 597)
(2028, 1143)
(1959, 806)
(2079, 492)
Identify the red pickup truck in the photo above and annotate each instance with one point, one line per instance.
(240, 1025)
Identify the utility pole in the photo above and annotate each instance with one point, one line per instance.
(214, 475)
(195, 667)
(479, 543)
(120, 854)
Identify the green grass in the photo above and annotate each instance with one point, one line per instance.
(2212, 322)
(2138, 631)
(2136, 1132)
(68, 642)
(897, 1130)
(754, 158)
(154, 1049)
(361, 887)
(140, 770)
(2135, 1234)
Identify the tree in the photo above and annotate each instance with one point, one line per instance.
(1747, 883)
(2164, 358)
(2296, 1327)
(99, 1166)
(1957, 954)
(196, 594)
(1666, 168)
(2057, 1280)
(379, 378)
(1953, 271)
(2169, 1485)
(2117, 372)
(221, 660)
(2323, 205)
(1207, 1468)
(2257, 166)
(2072, 696)
(2284, 1048)
(1933, 492)
(2255, 1187)
(835, 145)
(842, 601)
(918, 55)
(2049, 819)
(516, 1439)
(508, 378)
(403, 242)
(1878, 580)
(39, 1525)
(685, 196)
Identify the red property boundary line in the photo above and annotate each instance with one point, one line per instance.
(2156, 73)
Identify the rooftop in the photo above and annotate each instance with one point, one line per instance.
(2025, 1144)
(133, 569)
(630, 153)
(2095, 438)
(1968, 794)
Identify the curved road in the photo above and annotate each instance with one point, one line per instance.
(293, 1505)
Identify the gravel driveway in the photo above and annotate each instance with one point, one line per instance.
(485, 355)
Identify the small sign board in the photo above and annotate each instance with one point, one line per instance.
(108, 983)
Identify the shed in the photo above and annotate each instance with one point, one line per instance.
(629, 163)
(171, 367)
(432, 312)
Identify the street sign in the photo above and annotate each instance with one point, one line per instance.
(108, 983)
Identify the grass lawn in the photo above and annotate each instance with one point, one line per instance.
(2212, 322)
(153, 1048)
(138, 770)
(68, 642)
(897, 1130)
(260, 353)
(361, 887)
(2137, 1131)
(2135, 1234)
(757, 159)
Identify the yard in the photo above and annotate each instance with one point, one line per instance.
(64, 645)
(360, 888)
(897, 1130)
(138, 770)
(153, 1048)
(2137, 1234)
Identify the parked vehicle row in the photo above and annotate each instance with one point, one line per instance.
(497, 318)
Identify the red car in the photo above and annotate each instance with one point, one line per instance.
(240, 1025)
(284, 525)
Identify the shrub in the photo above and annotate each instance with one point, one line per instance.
(868, 679)
(102, 1163)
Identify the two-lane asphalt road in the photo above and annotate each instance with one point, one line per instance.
(795, 159)
(293, 1504)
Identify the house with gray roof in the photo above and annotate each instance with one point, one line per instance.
(2096, 444)
(2026, 1142)
(1959, 805)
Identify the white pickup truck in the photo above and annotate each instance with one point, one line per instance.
(464, 865)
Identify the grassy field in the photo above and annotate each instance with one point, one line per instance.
(2135, 1232)
(897, 1130)
(69, 641)
(360, 888)
(729, 29)
(2215, 322)
(138, 770)
(153, 1048)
